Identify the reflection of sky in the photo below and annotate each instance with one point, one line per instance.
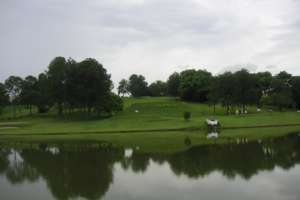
(159, 182)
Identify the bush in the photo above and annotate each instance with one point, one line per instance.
(187, 115)
(187, 141)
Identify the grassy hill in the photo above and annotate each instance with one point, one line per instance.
(152, 123)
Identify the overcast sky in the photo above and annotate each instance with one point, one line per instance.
(151, 37)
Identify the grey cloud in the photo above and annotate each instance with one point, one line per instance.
(152, 37)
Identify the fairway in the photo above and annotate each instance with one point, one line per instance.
(154, 124)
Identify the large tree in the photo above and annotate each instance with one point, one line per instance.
(57, 74)
(173, 84)
(158, 88)
(92, 84)
(13, 87)
(245, 90)
(123, 87)
(195, 85)
(29, 92)
(280, 94)
(138, 85)
(4, 100)
(296, 90)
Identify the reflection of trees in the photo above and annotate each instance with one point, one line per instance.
(69, 174)
(4, 163)
(88, 173)
(237, 159)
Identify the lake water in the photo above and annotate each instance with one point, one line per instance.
(245, 170)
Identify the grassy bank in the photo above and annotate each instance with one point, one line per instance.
(151, 123)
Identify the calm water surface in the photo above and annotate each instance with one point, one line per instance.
(254, 170)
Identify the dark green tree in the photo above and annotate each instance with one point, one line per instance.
(138, 86)
(29, 92)
(123, 87)
(296, 90)
(4, 99)
(194, 85)
(158, 88)
(13, 87)
(173, 84)
(57, 74)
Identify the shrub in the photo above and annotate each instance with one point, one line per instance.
(187, 115)
(187, 141)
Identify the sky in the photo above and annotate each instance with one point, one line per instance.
(151, 37)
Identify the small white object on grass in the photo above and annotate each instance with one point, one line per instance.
(237, 112)
(246, 112)
(258, 109)
(136, 111)
(212, 122)
(212, 135)
(298, 111)
(128, 153)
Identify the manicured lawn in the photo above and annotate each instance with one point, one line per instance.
(127, 128)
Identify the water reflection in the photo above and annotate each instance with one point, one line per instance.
(89, 172)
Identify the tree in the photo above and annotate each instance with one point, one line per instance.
(92, 84)
(225, 86)
(187, 115)
(13, 87)
(280, 94)
(123, 87)
(284, 76)
(194, 85)
(138, 85)
(4, 99)
(43, 99)
(157, 89)
(296, 90)
(57, 74)
(213, 95)
(245, 91)
(263, 85)
(29, 92)
(173, 84)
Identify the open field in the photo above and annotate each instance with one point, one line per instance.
(152, 124)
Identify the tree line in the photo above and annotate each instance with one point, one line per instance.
(232, 90)
(67, 85)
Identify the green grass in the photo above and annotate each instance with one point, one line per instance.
(157, 116)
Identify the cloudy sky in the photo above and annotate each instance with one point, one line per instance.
(151, 37)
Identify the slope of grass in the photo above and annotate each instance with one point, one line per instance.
(157, 116)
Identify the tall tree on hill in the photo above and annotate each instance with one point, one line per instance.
(296, 90)
(57, 74)
(138, 85)
(226, 90)
(4, 99)
(263, 84)
(245, 91)
(43, 99)
(13, 87)
(173, 84)
(280, 94)
(29, 92)
(194, 85)
(123, 87)
(93, 84)
(158, 89)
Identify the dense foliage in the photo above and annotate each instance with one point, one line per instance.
(66, 85)
(235, 91)
(70, 86)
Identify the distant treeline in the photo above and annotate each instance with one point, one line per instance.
(85, 86)
(68, 85)
(232, 90)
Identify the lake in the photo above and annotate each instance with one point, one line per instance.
(267, 169)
